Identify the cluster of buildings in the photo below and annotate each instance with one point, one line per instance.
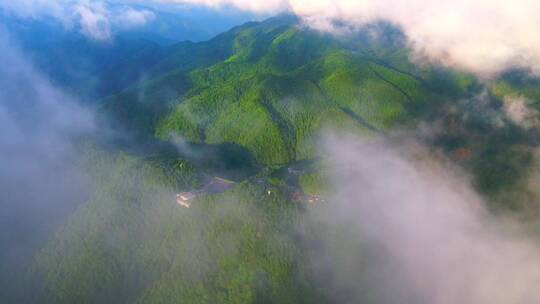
(183, 198)
(217, 185)
(299, 196)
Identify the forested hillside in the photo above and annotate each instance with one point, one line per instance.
(271, 86)
(250, 105)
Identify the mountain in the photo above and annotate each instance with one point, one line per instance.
(293, 80)
(253, 100)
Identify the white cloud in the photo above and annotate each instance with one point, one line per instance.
(40, 180)
(481, 36)
(432, 239)
(130, 17)
(518, 111)
(94, 19)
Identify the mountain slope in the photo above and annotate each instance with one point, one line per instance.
(276, 86)
(132, 243)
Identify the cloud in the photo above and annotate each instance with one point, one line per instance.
(519, 112)
(481, 36)
(408, 228)
(130, 17)
(39, 179)
(94, 19)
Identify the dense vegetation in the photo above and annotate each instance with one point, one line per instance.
(262, 93)
(132, 243)
(274, 85)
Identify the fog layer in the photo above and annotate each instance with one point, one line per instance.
(39, 180)
(408, 228)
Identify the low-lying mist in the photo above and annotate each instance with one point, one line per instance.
(40, 182)
(405, 226)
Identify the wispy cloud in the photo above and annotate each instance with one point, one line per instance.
(517, 109)
(95, 19)
(410, 229)
(39, 179)
(130, 17)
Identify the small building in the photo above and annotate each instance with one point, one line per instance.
(183, 199)
(312, 199)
